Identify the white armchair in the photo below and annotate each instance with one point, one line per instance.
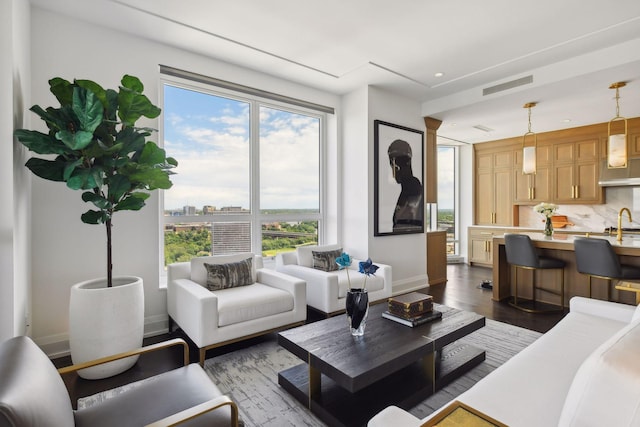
(215, 318)
(327, 290)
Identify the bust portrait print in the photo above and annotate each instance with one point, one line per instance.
(399, 168)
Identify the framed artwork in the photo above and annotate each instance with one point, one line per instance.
(398, 174)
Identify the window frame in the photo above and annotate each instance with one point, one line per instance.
(255, 215)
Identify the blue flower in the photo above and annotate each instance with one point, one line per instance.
(343, 260)
(367, 267)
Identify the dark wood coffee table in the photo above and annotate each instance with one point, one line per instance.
(345, 380)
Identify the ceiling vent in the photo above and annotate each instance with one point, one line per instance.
(508, 85)
(483, 128)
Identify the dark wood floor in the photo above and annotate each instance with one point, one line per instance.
(462, 291)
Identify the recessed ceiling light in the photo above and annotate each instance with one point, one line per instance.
(566, 121)
(438, 74)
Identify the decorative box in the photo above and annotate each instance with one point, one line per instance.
(410, 305)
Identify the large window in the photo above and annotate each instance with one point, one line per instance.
(446, 218)
(249, 176)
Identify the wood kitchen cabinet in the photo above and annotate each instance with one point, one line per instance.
(576, 171)
(437, 257)
(480, 245)
(493, 191)
(533, 188)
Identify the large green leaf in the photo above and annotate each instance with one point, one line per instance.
(82, 179)
(133, 83)
(133, 105)
(75, 140)
(152, 154)
(151, 178)
(62, 89)
(131, 140)
(94, 217)
(47, 169)
(53, 117)
(88, 109)
(99, 201)
(94, 87)
(119, 185)
(133, 202)
(69, 168)
(41, 143)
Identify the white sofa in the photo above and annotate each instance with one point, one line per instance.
(214, 318)
(583, 372)
(327, 290)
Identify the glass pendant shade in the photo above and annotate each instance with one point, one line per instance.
(529, 160)
(529, 152)
(617, 151)
(617, 143)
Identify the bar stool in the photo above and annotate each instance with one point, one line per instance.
(596, 258)
(521, 253)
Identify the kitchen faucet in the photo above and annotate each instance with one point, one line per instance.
(620, 222)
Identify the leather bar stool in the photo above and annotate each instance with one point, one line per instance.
(596, 258)
(521, 253)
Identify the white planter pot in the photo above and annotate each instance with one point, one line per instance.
(105, 321)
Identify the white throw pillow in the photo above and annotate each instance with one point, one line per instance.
(305, 255)
(606, 388)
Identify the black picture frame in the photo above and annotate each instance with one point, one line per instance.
(398, 199)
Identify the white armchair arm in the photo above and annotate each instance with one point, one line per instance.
(606, 309)
(392, 416)
(196, 310)
(295, 286)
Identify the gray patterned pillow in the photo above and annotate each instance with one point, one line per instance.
(224, 276)
(326, 260)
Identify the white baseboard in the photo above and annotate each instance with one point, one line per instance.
(56, 346)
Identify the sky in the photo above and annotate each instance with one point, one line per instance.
(210, 137)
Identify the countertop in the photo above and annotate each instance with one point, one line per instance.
(631, 241)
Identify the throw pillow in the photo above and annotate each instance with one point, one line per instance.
(326, 260)
(224, 276)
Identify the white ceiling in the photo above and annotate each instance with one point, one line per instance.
(573, 49)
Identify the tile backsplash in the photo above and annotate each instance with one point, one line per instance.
(592, 217)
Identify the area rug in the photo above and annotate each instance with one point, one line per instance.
(249, 376)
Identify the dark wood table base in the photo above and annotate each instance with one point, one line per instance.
(405, 388)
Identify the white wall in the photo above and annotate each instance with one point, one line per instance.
(406, 253)
(65, 250)
(14, 197)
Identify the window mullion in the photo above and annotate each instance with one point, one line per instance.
(256, 223)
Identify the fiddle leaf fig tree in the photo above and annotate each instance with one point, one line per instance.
(94, 145)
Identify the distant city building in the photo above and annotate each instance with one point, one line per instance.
(232, 209)
(208, 210)
(189, 210)
(231, 237)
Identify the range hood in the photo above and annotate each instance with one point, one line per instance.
(620, 176)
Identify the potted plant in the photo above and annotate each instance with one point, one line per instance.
(94, 145)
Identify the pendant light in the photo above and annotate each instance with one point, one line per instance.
(529, 152)
(617, 142)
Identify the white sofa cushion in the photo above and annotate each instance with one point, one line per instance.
(636, 314)
(236, 305)
(541, 374)
(606, 388)
(199, 272)
(305, 253)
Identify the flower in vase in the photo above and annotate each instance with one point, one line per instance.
(546, 209)
(368, 268)
(344, 261)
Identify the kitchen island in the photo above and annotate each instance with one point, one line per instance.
(560, 246)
